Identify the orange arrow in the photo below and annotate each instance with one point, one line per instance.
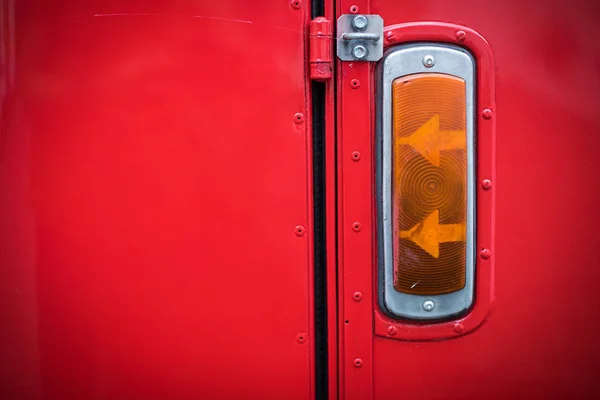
(429, 140)
(428, 234)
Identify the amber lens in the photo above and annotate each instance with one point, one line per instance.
(429, 183)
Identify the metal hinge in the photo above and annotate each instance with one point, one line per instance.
(359, 37)
(320, 49)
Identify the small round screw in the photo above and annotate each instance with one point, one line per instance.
(301, 337)
(358, 362)
(298, 118)
(299, 230)
(485, 254)
(460, 36)
(353, 9)
(392, 330)
(357, 296)
(428, 305)
(428, 61)
(487, 113)
(458, 327)
(360, 22)
(354, 83)
(355, 156)
(359, 52)
(296, 4)
(357, 227)
(486, 184)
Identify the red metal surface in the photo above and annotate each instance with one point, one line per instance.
(540, 341)
(485, 139)
(152, 175)
(320, 48)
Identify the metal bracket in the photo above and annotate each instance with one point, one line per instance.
(359, 37)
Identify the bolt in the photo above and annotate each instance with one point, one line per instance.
(358, 362)
(485, 254)
(392, 330)
(428, 61)
(355, 155)
(359, 52)
(486, 114)
(486, 184)
(360, 22)
(428, 305)
(460, 36)
(458, 327)
(354, 83)
(357, 296)
(357, 227)
(299, 230)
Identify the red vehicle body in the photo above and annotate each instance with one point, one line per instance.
(185, 213)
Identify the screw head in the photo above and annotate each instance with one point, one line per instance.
(428, 61)
(355, 155)
(486, 184)
(360, 22)
(460, 35)
(354, 83)
(458, 327)
(353, 9)
(357, 296)
(485, 254)
(357, 227)
(301, 337)
(392, 330)
(359, 52)
(358, 362)
(299, 230)
(296, 4)
(428, 305)
(298, 118)
(486, 114)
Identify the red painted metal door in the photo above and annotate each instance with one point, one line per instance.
(155, 200)
(540, 339)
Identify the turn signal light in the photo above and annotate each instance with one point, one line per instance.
(429, 183)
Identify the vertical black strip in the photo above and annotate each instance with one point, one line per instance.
(320, 273)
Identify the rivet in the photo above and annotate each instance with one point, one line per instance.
(460, 35)
(301, 337)
(485, 254)
(299, 230)
(357, 296)
(486, 114)
(428, 305)
(458, 327)
(392, 330)
(358, 362)
(296, 4)
(357, 227)
(428, 61)
(355, 155)
(486, 184)
(354, 9)
(298, 118)
(354, 83)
